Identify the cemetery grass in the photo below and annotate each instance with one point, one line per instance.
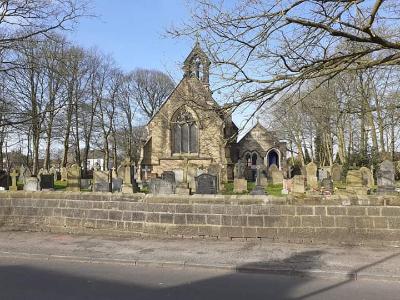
(20, 185)
(271, 189)
(274, 190)
(60, 185)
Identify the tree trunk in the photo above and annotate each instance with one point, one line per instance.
(68, 124)
(341, 145)
(77, 139)
(1, 150)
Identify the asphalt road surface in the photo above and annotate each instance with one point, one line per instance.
(39, 279)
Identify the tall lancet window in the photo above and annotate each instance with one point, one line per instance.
(184, 133)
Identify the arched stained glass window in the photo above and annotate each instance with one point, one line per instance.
(193, 138)
(184, 133)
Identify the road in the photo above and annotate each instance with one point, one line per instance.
(26, 278)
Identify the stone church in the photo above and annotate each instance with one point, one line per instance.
(191, 134)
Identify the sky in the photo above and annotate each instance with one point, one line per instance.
(134, 33)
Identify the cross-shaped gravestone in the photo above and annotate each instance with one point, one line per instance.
(13, 186)
(146, 170)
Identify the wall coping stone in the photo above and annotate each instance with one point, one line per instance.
(334, 200)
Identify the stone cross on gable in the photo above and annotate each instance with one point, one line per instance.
(13, 175)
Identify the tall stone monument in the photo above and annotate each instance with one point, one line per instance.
(74, 178)
(311, 172)
(259, 189)
(125, 172)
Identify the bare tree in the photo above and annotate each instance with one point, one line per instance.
(265, 48)
(150, 89)
(21, 20)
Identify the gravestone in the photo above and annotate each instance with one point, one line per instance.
(206, 184)
(170, 177)
(125, 171)
(385, 177)
(22, 174)
(74, 178)
(239, 185)
(277, 177)
(215, 170)
(86, 184)
(117, 184)
(311, 172)
(323, 173)
(249, 174)
(47, 182)
(239, 170)
(367, 177)
(336, 172)
(101, 181)
(299, 184)
(263, 175)
(258, 189)
(28, 173)
(54, 172)
(354, 182)
(287, 186)
(354, 178)
(13, 175)
(146, 170)
(178, 176)
(327, 185)
(191, 173)
(160, 186)
(275, 174)
(31, 184)
(185, 178)
(5, 180)
(64, 173)
(272, 168)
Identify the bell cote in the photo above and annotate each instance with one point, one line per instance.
(197, 64)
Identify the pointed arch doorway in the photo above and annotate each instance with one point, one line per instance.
(273, 158)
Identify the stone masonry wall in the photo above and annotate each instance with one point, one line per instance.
(220, 217)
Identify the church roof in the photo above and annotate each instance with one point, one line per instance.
(256, 125)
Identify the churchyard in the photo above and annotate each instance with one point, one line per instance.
(312, 180)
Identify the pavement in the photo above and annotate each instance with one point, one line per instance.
(254, 256)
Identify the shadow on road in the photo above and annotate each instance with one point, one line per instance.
(64, 280)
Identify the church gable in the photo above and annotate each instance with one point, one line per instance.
(189, 124)
(260, 146)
